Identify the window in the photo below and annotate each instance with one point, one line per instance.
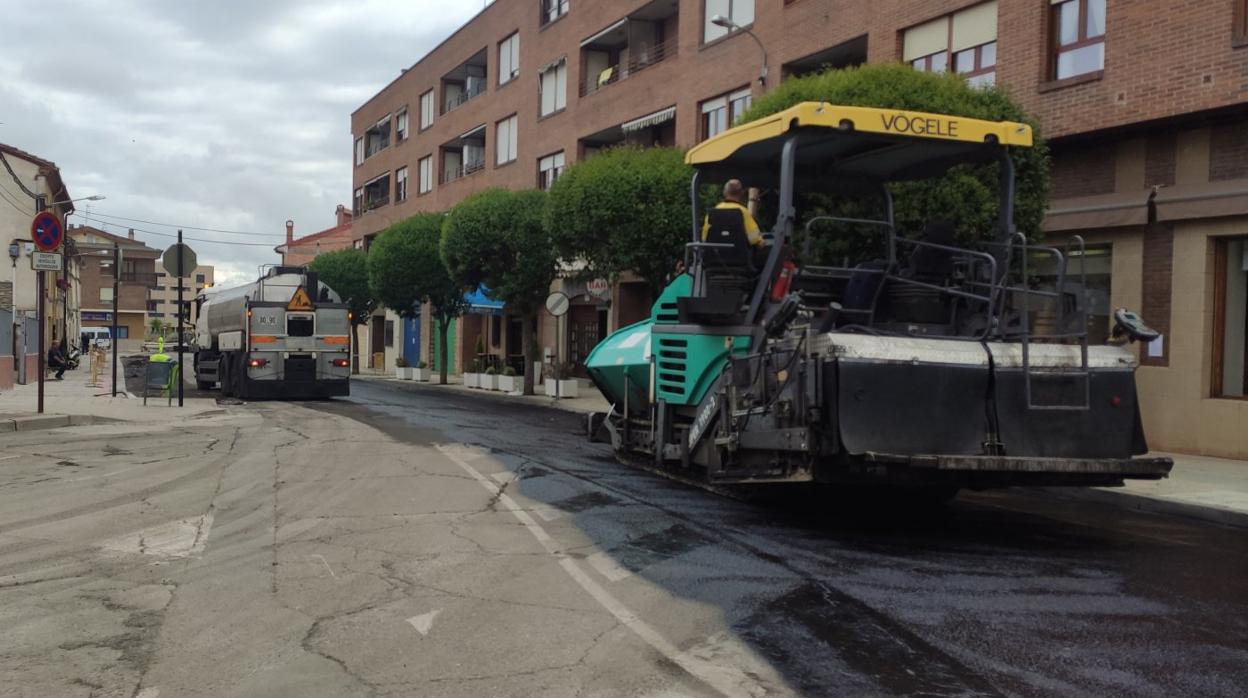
(153, 306)
(201, 279)
(741, 12)
(123, 332)
(400, 125)
(1078, 28)
(400, 185)
(426, 174)
(389, 333)
(376, 193)
(509, 59)
(359, 151)
(377, 138)
(548, 169)
(1230, 312)
(554, 87)
(358, 202)
(106, 295)
(1097, 264)
(426, 110)
(722, 112)
(1241, 22)
(506, 135)
(965, 42)
(552, 10)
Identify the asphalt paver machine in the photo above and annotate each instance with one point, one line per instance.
(924, 367)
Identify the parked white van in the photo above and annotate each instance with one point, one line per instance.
(98, 337)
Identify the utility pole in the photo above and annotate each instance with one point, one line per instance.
(116, 284)
(181, 256)
(41, 312)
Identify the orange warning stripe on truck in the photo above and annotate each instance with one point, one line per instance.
(341, 341)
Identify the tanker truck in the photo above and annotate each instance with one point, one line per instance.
(284, 336)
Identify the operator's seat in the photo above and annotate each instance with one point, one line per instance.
(722, 275)
(727, 226)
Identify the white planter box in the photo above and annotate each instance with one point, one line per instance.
(566, 388)
(404, 373)
(472, 380)
(489, 381)
(510, 384)
(420, 374)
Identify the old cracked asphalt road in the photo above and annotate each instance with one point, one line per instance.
(417, 542)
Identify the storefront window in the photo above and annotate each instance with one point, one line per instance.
(1089, 276)
(1230, 315)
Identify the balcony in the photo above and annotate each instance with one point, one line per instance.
(465, 83)
(645, 38)
(463, 156)
(142, 278)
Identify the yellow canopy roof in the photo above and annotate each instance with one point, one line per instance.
(860, 141)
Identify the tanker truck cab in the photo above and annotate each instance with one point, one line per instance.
(915, 363)
(287, 336)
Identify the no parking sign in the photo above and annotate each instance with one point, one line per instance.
(46, 231)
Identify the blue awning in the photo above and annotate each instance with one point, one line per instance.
(480, 303)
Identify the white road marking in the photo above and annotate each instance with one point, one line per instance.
(148, 693)
(608, 567)
(326, 563)
(424, 623)
(728, 680)
(504, 477)
(10, 457)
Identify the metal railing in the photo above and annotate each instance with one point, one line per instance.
(638, 60)
(453, 173)
(144, 278)
(453, 103)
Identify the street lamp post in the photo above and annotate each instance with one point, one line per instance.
(722, 21)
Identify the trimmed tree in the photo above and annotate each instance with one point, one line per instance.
(626, 209)
(967, 196)
(495, 238)
(346, 272)
(405, 269)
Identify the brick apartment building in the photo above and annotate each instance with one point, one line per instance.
(162, 301)
(138, 277)
(1145, 103)
(298, 252)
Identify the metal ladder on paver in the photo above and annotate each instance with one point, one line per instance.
(1080, 374)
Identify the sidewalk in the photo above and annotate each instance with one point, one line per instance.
(1210, 489)
(73, 402)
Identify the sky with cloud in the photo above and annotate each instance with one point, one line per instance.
(230, 114)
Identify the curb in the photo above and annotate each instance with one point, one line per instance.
(1151, 505)
(50, 421)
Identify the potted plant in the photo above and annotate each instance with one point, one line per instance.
(561, 383)
(489, 381)
(421, 372)
(401, 370)
(507, 382)
(473, 379)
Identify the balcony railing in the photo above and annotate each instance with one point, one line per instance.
(464, 97)
(453, 173)
(638, 61)
(143, 278)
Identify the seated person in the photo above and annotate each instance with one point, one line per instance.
(57, 361)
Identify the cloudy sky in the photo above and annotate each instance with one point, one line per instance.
(225, 114)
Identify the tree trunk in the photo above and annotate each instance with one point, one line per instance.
(527, 340)
(445, 323)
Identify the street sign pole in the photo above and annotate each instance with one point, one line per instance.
(116, 279)
(181, 271)
(40, 310)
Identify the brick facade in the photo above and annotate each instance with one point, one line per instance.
(1228, 152)
(1163, 60)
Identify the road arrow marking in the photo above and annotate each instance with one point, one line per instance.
(424, 624)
